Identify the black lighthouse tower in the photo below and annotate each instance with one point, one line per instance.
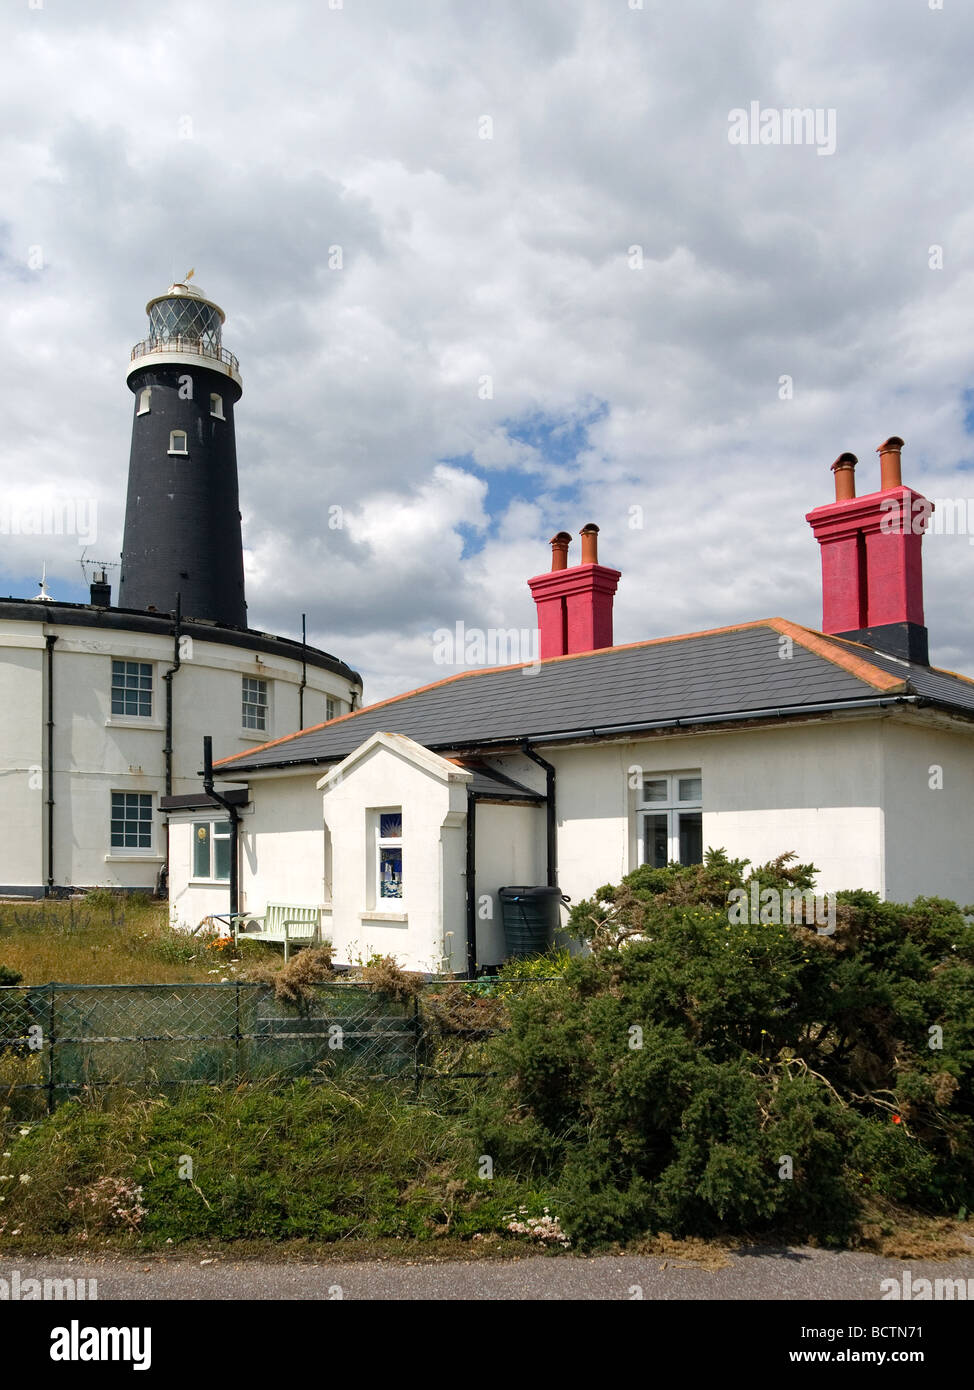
(182, 517)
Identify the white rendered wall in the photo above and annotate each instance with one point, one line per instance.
(813, 788)
(189, 899)
(23, 815)
(510, 853)
(426, 930)
(96, 753)
(853, 797)
(928, 825)
(281, 853)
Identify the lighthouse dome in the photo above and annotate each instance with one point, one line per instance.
(183, 327)
(183, 315)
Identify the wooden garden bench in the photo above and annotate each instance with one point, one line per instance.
(294, 924)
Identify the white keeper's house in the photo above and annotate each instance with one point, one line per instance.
(400, 822)
(103, 707)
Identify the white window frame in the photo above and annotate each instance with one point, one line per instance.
(213, 827)
(173, 436)
(133, 851)
(249, 729)
(673, 806)
(387, 842)
(331, 708)
(216, 406)
(145, 401)
(116, 716)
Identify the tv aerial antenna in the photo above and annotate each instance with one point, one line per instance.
(90, 567)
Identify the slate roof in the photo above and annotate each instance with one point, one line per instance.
(746, 671)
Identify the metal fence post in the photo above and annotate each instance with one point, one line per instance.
(51, 1042)
(417, 1026)
(236, 1037)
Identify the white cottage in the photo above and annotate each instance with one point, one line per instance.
(400, 822)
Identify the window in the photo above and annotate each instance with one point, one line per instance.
(389, 855)
(211, 850)
(254, 704)
(177, 442)
(670, 819)
(145, 400)
(331, 707)
(132, 688)
(216, 406)
(131, 820)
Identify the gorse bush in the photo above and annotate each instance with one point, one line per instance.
(695, 1076)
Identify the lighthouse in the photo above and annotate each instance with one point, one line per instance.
(182, 517)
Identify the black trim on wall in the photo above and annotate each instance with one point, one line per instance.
(55, 613)
(50, 639)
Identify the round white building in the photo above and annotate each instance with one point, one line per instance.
(104, 708)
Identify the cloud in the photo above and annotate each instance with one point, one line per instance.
(487, 172)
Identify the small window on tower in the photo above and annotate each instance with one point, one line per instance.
(216, 407)
(145, 400)
(177, 442)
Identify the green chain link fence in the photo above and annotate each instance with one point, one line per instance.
(56, 1040)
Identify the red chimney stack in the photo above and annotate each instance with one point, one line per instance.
(872, 574)
(574, 602)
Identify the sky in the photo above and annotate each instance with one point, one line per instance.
(492, 271)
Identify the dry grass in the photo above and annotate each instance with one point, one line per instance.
(108, 939)
(900, 1234)
(292, 982)
(709, 1254)
(386, 977)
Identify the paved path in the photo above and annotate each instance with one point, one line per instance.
(761, 1273)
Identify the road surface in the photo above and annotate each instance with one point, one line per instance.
(759, 1273)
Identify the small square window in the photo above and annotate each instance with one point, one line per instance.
(690, 788)
(178, 442)
(216, 406)
(654, 789)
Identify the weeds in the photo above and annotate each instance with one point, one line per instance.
(108, 938)
(328, 1162)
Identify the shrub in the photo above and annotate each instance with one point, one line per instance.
(666, 1078)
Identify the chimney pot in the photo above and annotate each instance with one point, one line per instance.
(844, 469)
(590, 544)
(890, 469)
(559, 550)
